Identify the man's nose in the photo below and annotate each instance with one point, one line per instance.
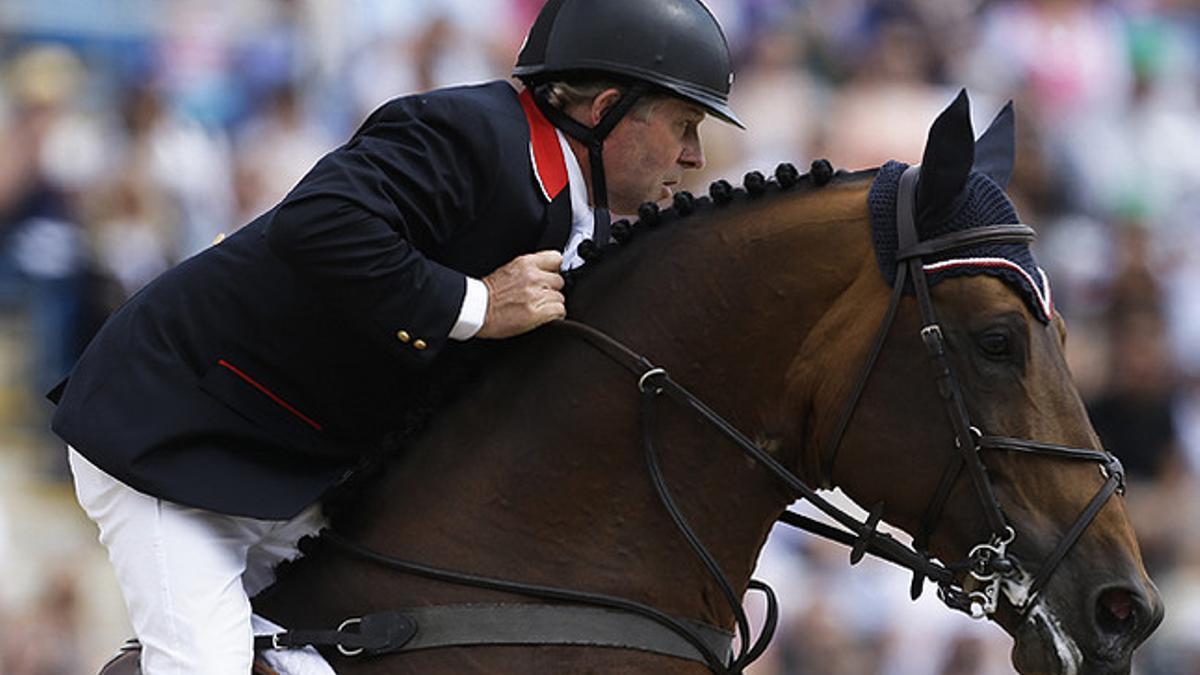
(692, 156)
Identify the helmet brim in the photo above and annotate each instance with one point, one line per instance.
(714, 103)
(716, 106)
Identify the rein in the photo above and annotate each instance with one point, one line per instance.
(988, 563)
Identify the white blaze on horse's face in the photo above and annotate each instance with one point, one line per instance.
(1070, 658)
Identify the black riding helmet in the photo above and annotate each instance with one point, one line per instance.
(675, 46)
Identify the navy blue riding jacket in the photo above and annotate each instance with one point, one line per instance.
(252, 377)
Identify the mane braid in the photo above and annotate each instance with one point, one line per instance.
(721, 194)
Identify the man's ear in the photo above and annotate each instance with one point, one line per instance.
(603, 102)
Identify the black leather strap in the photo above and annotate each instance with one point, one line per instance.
(935, 348)
(680, 627)
(1036, 448)
(829, 459)
(881, 544)
(1072, 536)
(504, 624)
(992, 234)
(379, 633)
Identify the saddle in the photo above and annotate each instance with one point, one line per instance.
(127, 662)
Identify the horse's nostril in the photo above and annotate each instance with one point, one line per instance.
(1116, 611)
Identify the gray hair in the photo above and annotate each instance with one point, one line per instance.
(563, 95)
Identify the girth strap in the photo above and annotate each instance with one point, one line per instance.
(441, 626)
(379, 633)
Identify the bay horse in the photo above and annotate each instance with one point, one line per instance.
(766, 302)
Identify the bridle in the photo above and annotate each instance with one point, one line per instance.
(989, 563)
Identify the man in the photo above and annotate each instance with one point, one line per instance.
(213, 410)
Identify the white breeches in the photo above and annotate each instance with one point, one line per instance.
(187, 575)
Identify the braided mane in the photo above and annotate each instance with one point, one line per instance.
(721, 194)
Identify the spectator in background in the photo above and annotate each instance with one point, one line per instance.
(1134, 418)
(884, 109)
(131, 242)
(1134, 412)
(783, 104)
(42, 263)
(1174, 649)
(274, 150)
(418, 46)
(1126, 150)
(185, 165)
(45, 640)
(1134, 415)
(1066, 59)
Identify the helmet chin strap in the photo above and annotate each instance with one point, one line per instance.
(593, 139)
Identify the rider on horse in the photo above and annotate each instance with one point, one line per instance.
(213, 410)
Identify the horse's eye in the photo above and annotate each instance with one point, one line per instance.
(995, 344)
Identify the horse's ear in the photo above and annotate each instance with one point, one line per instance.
(949, 154)
(995, 151)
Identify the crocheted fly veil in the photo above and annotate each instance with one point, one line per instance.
(981, 202)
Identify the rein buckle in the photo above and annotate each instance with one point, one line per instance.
(342, 629)
(935, 342)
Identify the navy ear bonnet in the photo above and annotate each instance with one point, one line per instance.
(981, 203)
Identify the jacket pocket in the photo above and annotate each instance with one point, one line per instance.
(242, 388)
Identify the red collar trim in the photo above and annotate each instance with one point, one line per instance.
(549, 165)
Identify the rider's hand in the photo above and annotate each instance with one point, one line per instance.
(523, 295)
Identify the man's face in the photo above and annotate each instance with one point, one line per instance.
(645, 155)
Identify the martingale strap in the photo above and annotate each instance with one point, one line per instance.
(416, 628)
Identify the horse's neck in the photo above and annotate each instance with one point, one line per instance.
(727, 303)
(550, 486)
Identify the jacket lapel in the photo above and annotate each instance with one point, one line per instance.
(549, 174)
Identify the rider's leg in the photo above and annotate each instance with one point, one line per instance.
(180, 570)
(278, 544)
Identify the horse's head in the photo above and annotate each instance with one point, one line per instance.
(1070, 585)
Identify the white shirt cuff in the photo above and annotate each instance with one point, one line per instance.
(473, 312)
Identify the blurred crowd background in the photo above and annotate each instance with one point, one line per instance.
(134, 132)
